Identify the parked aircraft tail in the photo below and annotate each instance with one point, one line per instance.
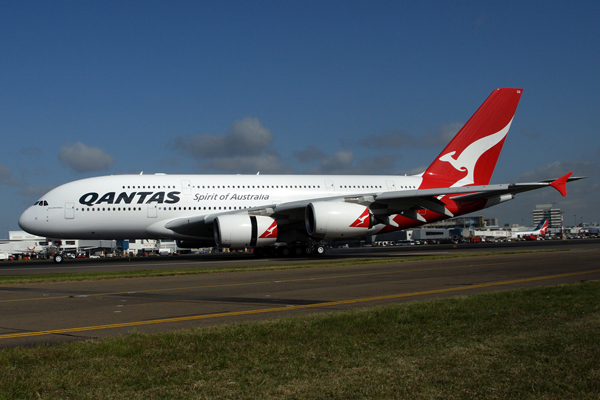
(542, 227)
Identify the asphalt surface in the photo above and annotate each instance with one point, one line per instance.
(32, 314)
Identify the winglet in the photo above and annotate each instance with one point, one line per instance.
(561, 184)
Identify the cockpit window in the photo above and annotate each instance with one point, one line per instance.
(41, 203)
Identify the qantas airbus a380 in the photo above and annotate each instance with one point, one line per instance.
(287, 213)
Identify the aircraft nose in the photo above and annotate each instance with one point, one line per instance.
(28, 221)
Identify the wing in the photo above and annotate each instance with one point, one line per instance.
(456, 200)
(384, 206)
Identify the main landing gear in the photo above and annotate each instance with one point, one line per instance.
(306, 250)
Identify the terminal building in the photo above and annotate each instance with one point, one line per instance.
(470, 222)
(474, 226)
(546, 211)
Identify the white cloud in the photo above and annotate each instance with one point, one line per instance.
(343, 162)
(309, 154)
(245, 137)
(338, 163)
(6, 177)
(244, 149)
(82, 158)
(266, 163)
(249, 135)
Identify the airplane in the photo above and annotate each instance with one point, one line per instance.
(288, 214)
(540, 230)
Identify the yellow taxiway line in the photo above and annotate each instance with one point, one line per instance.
(287, 308)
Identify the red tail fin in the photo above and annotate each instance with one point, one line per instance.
(544, 229)
(470, 158)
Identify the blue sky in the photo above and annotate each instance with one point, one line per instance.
(95, 88)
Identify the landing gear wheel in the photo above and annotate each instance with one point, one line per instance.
(319, 250)
(308, 250)
(284, 251)
(298, 251)
(58, 258)
(271, 251)
(259, 252)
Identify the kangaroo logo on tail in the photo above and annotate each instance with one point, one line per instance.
(468, 158)
(544, 227)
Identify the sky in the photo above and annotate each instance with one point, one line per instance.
(335, 87)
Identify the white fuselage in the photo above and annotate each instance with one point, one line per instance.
(127, 206)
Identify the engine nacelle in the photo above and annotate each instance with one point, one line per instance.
(332, 219)
(239, 231)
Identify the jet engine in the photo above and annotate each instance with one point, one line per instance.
(332, 219)
(239, 231)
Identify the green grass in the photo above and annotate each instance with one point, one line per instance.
(89, 276)
(541, 343)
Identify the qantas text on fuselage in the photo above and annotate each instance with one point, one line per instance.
(93, 198)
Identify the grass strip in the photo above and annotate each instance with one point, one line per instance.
(536, 343)
(91, 276)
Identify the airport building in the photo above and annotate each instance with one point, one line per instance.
(470, 222)
(546, 211)
(22, 244)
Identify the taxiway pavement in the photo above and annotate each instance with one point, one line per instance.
(33, 314)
